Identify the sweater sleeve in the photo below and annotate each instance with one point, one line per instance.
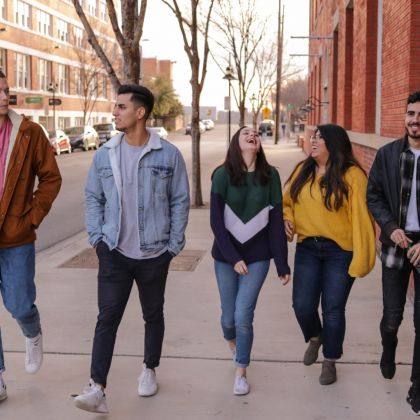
(364, 252)
(276, 233)
(217, 221)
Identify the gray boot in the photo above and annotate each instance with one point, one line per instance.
(311, 353)
(328, 373)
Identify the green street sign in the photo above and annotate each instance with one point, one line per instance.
(34, 99)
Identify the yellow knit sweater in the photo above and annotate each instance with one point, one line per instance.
(351, 226)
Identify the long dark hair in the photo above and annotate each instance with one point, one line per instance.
(236, 167)
(341, 158)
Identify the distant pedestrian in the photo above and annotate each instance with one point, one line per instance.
(283, 128)
(137, 203)
(247, 222)
(394, 199)
(325, 205)
(25, 154)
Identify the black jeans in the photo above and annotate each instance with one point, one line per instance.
(115, 281)
(394, 288)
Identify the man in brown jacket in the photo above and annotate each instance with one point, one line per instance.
(25, 153)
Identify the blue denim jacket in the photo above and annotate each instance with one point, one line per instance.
(163, 196)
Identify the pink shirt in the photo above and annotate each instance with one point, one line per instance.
(5, 131)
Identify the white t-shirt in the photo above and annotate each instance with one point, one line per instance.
(412, 222)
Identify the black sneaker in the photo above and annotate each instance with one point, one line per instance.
(415, 401)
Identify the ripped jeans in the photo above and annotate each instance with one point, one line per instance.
(394, 289)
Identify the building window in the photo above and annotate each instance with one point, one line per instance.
(23, 71)
(103, 86)
(78, 121)
(44, 22)
(64, 122)
(78, 82)
(78, 36)
(3, 9)
(22, 14)
(63, 78)
(62, 30)
(92, 7)
(44, 72)
(103, 15)
(3, 62)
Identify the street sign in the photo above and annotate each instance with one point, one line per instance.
(34, 99)
(13, 100)
(55, 101)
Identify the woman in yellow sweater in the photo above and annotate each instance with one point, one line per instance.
(325, 205)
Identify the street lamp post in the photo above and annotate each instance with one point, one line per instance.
(229, 77)
(53, 88)
(254, 119)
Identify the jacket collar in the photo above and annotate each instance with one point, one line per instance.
(15, 118)
(153, 143)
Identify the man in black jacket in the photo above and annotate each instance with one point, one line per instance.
(393, 197)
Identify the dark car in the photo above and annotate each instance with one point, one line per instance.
(265, 129)
(105, 132)
(83, 137)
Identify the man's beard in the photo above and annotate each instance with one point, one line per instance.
(413, 136)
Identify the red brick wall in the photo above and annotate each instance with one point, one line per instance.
(364, 60)
(396, 59)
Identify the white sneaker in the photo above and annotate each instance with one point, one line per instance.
(3, 393)
(92, 399)
(34, 356)
(241, 386)
(147, 383)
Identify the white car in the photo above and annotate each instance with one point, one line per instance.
(209, 124)
(163, 134)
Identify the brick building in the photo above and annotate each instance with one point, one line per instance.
(43, 46)
(363, 67)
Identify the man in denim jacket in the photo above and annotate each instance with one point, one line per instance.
(137, 202)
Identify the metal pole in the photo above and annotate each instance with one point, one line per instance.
(229, 115)
(53, 92)
(279, 72)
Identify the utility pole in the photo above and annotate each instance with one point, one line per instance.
(279, 71)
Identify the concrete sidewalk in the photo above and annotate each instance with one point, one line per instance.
(196, 373)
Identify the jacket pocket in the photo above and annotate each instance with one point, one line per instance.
(161, 179)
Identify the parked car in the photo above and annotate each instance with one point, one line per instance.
(201, 126)
(160, 131)
(105, 132)
(209, 124)
(266, 128)
(83, 137)
(59, 141)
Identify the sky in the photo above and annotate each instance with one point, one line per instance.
(162, 39)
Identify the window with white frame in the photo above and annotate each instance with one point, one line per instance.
(3, 58)
(78, 36)
(22, 14)
(103, 15)
(92, 7)
(44, 22)
(3, 8)
(78, 81)
(23, 71)
(62, 30)
(62, 78)
(44, 73)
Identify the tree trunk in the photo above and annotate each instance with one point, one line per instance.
(197, 197)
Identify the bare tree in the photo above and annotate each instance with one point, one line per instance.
(243, 31)
(265, 62)
(128, 37)
(191, 26)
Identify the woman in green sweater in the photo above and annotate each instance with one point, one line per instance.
(325, 205)
(247, 222)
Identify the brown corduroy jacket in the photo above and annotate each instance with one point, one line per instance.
(29, 156)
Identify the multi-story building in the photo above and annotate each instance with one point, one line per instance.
(364, 62)
(44, 52)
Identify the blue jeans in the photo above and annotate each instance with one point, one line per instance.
(238, 296)
(17, 287)
(321, 273)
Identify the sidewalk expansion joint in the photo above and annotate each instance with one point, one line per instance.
(227, 359)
